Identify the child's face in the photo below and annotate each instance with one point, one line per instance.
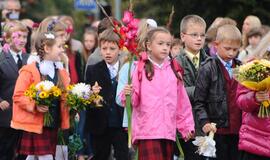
(54, 52)
(175, 50)
(254, 40)
(159, 47)
(62, 35)
(194, 37)
(18, 41)
(89, 41)
(227, 50)
(246, 26)
(109, 51)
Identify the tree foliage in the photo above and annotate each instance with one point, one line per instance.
(160, 10)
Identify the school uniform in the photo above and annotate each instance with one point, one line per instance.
(215, 101)
(191, 64)
(105, 123)
(10, 63)
(38, 139)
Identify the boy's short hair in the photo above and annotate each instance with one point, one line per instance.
(12, 27)
(194, 19)
(109, 36)
(176, 41)
(228, 32)
(106, 24)
(254, 32)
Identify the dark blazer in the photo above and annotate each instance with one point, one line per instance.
(8, 76)
(97, 118)
(190, 72)
(190, 76)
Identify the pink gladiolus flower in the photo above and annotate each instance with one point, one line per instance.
(125, 29)
(134, 23)
(128, 17)
(134, 32)
(126, 43)
(129, 35)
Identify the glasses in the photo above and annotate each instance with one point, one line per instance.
(196, 35)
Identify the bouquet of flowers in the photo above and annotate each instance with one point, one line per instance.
(44, 93)
(206, 145)
(80, 96)
(255, 75)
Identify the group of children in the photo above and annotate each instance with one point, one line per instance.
(167, 98)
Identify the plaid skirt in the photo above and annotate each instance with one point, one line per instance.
(159, 149)
(38, 144)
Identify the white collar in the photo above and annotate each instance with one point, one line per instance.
(14, 54)
(115, 66)
(158, 65)
(48, 67)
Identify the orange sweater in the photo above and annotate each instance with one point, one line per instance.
(25, 116)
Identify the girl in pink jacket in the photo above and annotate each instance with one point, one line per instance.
(254, 135)
(159, 100)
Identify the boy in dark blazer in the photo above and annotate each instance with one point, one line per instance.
(11, 60)
(192, 30)
(105, 123)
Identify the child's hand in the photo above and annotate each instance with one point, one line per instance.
(209, 127)
(4, 105)
(96, 88)
(262, 96)
(189, 136)
(128, 89)
(42, 108)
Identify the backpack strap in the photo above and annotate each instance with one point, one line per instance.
(177, 69)
(141, 64)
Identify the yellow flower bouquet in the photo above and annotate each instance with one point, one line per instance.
(44, 93)
(255, 75)
(80, 96)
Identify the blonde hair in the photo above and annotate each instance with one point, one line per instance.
(228, 33)
(42, 41)
(191, 19)
(64, 18)
(212, 30)
(49, 24)
(141, 34)
(11, 27)
(254, 23)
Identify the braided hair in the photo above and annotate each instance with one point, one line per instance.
(44, 39)
(47, 39)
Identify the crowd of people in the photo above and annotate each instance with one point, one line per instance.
(180, 86)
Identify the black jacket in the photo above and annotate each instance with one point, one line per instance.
(8, 77)
(210, 95)
(97, 119)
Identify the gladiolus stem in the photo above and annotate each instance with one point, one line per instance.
(128, 104)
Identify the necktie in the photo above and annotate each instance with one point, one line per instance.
(19, 62)
(195, 61)
(112, 72)
(228, 67)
